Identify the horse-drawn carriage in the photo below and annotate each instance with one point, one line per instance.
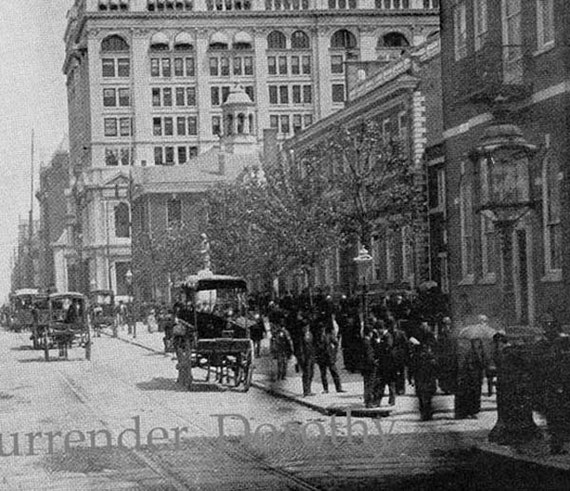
(102, 309)
(40, 319)
(68, 324)
(212, 331)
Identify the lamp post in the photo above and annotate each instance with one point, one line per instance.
(363, 262)
(131, 320)
(503, 161)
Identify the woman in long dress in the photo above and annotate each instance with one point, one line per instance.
(471, 367)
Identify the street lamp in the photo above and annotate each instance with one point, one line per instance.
(363, 262)
(502, 160)
(131, 320)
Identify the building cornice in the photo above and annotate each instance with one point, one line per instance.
(213, 19)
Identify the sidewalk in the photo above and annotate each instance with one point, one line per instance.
(403, 416)
(327, 404)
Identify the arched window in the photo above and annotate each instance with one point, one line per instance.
(240, 123)
(393, 40)
(183, 42)
(242, 40)
(159, 42)
(299, 40)
(122, 221)
(343, 39)
(229, 124)
(219, 41)
(250, 120)
(114, 43)
(276, 40)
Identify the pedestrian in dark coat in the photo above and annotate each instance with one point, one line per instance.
(383, 343)
(471, 367)
(368, 367)
(351, 340)
(306, 354)
(257, 332)
(399, 355)
(446, 357)
(326, 344)
(423, 369)
(282, 351)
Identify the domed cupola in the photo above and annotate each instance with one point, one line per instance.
(239, 122)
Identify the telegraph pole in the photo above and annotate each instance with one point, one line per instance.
(30, 259)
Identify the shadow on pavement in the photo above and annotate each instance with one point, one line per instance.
(52, 359)
(155, 353)
(161, 383)
(24, 347)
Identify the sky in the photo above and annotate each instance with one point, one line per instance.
(32, 97)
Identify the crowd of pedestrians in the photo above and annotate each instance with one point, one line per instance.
(404, 341)
(311, 335)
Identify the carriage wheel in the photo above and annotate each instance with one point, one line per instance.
(248, 377)
(248, 369)
(238, 370)
(62, 345)
(46, 345)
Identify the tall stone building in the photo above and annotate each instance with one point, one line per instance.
(25, 267)
(54, 180)
(146, 81)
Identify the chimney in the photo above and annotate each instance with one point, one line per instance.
(221, 163)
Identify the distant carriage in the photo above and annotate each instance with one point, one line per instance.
(212, 330)
(21, 309)
(68, 324)
(102, 309)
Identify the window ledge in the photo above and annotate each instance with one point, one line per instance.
(488, 279)
(544, 49)
(468, 280)
(552, 276)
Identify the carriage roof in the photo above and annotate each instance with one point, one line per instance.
(25, 292)
(214, 282)
(55, 296)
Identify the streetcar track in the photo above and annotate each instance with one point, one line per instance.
(160, 470)
(156, 462)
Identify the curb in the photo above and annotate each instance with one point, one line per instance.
(328, 410)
